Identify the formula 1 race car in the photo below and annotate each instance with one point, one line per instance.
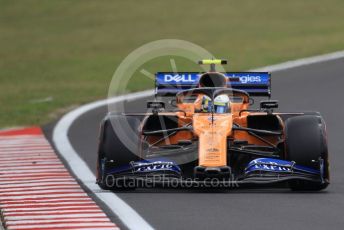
(211, 136)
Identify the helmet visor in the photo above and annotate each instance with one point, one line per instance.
(221, 109)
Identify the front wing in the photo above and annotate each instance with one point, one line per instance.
(166, 173)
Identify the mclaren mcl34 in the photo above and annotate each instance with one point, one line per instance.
(213, 136)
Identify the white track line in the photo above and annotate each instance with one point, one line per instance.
(128, 215)
(302, 62)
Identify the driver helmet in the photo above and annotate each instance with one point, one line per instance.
(221, 104)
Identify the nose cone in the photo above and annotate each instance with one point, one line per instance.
(212, 79)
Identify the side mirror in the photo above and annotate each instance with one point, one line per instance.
(173, 102)
(251, 101)
(268, 105)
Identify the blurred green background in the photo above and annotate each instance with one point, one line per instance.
(56, 55)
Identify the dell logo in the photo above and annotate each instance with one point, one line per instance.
(178, 78)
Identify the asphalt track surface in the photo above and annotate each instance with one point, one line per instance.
(316, 87)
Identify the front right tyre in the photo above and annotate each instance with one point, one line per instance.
(113, 148)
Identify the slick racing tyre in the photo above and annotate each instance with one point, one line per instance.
(306, 143)
(112, 148)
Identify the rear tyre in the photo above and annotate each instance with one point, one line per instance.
(306, 142)
(119, 147)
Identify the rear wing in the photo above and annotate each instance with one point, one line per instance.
(254, 83)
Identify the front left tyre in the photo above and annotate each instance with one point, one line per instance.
(306, 145)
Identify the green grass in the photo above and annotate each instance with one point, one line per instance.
(69, 50)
